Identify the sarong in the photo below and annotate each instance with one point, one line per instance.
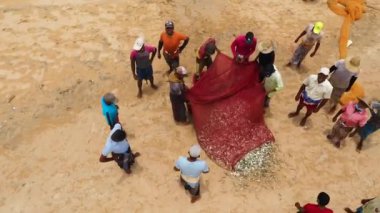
(178, 107)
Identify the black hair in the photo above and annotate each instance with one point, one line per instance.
(118, 135)
(249, 35)
(323, 199)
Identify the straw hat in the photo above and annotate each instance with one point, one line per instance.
(353, 64)
(266, 46)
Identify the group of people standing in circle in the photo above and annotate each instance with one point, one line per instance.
(316, 90)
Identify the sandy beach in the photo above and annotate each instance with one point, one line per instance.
(57, 58)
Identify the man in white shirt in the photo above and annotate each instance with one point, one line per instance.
(118, 146)
(314, 93)
(191, 169)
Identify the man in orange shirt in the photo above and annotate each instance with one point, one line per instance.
(171, 41)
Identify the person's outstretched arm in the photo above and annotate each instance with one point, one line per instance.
(160, 44)
(233, 48)
(300, 36)
(185, 42)
(316, 49)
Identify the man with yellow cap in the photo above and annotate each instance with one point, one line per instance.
(314, 36)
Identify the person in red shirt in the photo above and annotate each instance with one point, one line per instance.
(323, 199)
(243, 46)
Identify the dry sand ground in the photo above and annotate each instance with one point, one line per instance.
(58, 57)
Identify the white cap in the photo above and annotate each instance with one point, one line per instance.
(325, 71)
(181, 70)
(139, 43)
(195, 151)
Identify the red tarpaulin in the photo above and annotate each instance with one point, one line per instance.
(227, 107)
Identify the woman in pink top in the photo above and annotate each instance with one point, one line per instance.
(351, 116)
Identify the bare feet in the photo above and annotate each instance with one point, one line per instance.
(154, 86)
(128, 171)
(139, 94)
(303, 122)
(195, 198)
(289, 64)
(329, 137)
(292, 114)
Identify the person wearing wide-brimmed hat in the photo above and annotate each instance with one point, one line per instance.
(177, 94)
(141, 63)
(372, 125)
(191, 169)
(110, 109)
(117, 145)
(266, 56)
(351, 116)
(314, 35)
(313, 94)
(171, 40)
(343, 75)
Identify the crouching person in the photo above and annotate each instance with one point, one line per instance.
(191, 169)
(117, 145)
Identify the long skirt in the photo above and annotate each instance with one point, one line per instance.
(300, 53)
(339, 132)
(178, 107)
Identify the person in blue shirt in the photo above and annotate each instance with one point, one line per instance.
(110, 109)
(191, 169)
(117, 145)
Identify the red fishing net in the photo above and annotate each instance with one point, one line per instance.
(227, 107)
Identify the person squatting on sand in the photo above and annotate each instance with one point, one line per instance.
(204, 57)
(243, 46)
(191, 169)
(322, 200)
(314, 35)
(110, 109)
(178, 94)
(117, 145)
(171, 41)
(314, 93)
(141, 63)
(272, 82)
(352, 116)
(343, 75)
(372, 125)
(368, 206)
